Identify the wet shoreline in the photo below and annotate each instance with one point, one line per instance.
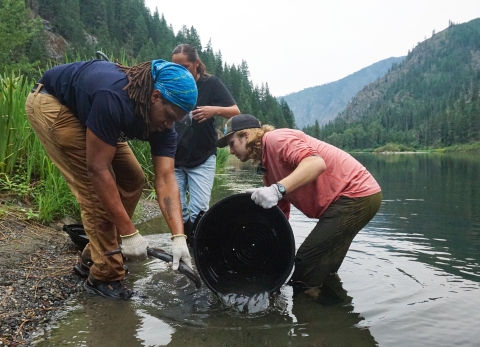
(37, 282)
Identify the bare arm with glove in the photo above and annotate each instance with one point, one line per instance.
(307, 171)
(168, 196)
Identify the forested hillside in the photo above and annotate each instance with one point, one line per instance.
(38, 33)
(430, 100)
(323, 103)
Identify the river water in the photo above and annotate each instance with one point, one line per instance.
(411, 277)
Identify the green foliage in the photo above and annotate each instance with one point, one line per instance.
(14, 138)
(222, 157)
(26, 172)
(394, 147)
(20, 35)
(141, 150)
(471, 147)
(54, 198)
(17, 185)
(29, 213)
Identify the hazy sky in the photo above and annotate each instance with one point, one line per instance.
(296, 44)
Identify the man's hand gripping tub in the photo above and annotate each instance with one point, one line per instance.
(134, 246)
(180, 251)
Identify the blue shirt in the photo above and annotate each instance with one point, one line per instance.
(93, 91)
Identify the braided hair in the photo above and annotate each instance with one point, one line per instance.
(140, 88)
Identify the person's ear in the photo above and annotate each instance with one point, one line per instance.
(156, 95)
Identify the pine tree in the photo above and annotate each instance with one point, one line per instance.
(16, 30)
(287, 114)
(316, 130)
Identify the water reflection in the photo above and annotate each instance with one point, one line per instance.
(411, 277)
(431, 200)
(205, 321)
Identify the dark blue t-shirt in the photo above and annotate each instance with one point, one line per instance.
(93, 91)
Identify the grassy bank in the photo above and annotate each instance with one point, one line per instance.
(27, 176)
(398, 147)
(471, 147)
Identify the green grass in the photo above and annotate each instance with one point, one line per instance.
(53, 196)
(471, 147)
(394, 147)
(222, 157)
(13, 123)
(26, 172)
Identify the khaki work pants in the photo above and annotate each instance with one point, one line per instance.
(64, 139)
(325, 248)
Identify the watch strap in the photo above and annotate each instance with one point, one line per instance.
(281, 189)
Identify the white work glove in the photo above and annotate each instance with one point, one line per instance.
(134, 246)
(267, 197)
(180, 251)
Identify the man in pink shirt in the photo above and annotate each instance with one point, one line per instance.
(319, 179)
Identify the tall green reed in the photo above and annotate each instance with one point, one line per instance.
(222, 157)
(13, 123)
(54, 198)
(25, 169)
(142, 152)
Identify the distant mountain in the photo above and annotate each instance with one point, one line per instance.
(430, 100)
(323, 103)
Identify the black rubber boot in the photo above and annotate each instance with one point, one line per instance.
(187, 229)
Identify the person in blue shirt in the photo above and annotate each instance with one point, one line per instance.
(84, 113)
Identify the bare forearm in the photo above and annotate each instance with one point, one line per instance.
(169, 202)
(203, 113)
(99, 159)
(108, 195)
(227, 112)
(307, 171)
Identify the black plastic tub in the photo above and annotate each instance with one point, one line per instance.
(77, 235)
(243, 248)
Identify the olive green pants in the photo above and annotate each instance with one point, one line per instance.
(64, 139)
(324, 249)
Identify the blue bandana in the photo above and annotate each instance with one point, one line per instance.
(176, 84)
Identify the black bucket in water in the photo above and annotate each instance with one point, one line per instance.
(243, 248)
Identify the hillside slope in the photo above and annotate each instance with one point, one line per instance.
(323, 103)
(431, 99)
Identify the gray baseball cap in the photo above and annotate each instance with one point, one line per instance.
(236, 123)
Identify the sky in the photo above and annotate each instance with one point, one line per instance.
(297, 44)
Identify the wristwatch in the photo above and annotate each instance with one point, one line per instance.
(281, 189)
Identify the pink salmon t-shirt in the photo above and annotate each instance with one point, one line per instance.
(284, 149)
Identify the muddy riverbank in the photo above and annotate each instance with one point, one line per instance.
(36, 273)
